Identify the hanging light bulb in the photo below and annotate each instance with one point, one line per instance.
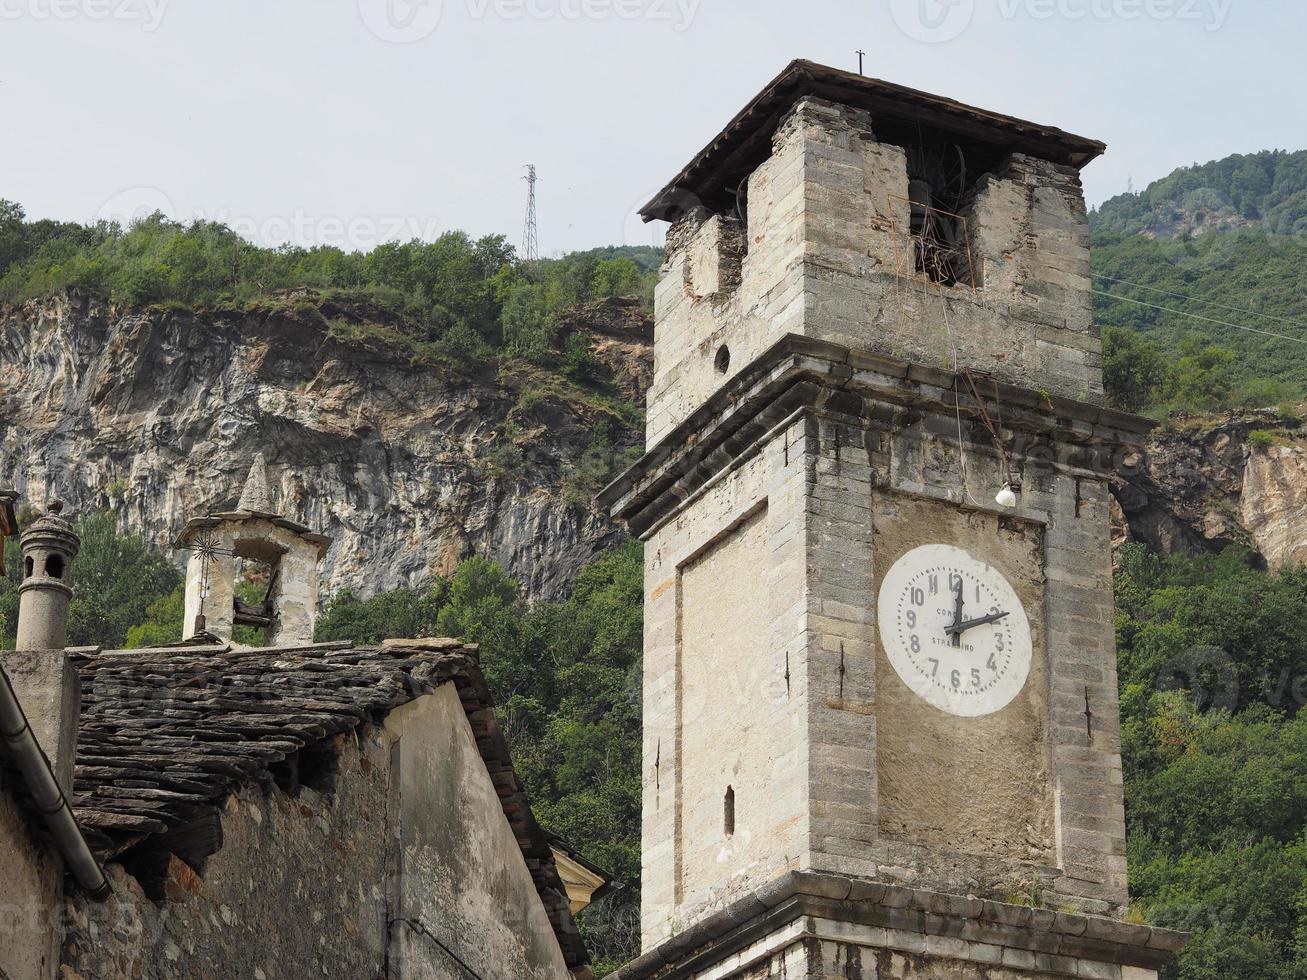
(1007, 497)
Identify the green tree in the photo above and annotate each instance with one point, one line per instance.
(528, 322)
(1134, 371)
(1203, 377)
(13, 238)
(116, 578)
(164, 620)
(1214, 745)
(404, 613)
(616, 277)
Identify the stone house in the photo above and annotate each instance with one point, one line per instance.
(289, 810)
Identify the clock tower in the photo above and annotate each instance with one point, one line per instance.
(880, 706)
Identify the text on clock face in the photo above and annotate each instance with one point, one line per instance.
(954, 630)
(925, 624)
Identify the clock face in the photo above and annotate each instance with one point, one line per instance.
(954, 630)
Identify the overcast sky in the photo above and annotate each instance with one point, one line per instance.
(349, 121)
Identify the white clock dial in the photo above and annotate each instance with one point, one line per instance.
(954, 630)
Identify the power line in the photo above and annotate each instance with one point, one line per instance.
(1208, 302)
(1195, 316)
(530, 244)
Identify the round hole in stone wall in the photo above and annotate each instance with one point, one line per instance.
(723, 360)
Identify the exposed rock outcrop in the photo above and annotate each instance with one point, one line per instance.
(1274, 502)
(1241, 480)
(157, 415)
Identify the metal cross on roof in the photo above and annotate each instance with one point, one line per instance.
(206, 547)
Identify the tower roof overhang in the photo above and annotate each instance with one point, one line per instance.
(239, 518)
(712, 176)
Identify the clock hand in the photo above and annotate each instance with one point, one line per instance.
(957, 615)
(957, 629)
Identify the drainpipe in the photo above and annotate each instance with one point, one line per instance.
(49, 797)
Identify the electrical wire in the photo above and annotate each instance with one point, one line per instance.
(1197, 299)
(957, 403)
(1196, 316)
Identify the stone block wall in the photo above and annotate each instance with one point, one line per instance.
(886, 954)
(823, 927)
(297, 889)
(828, 254)
(1051, 820)
(763, 671)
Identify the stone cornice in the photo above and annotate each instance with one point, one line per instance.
(1055, 941)
(798, 372)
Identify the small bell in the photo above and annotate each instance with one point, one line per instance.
(1007, 497)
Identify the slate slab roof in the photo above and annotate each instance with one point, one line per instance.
(167, 733)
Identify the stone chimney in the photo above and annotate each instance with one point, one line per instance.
(49, 547)
(254, 531)
(43, 678)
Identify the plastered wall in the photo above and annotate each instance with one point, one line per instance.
(733, 707)
(29, 907)
(966, 785)
(463, 885)
(404, 862)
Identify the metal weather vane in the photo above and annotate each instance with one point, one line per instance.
(207, 548)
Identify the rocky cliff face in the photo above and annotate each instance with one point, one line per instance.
(1240, 480)
(156, 415)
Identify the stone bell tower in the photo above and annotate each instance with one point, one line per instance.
(880, 707)
(254, 531)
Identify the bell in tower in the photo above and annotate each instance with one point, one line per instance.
(880, 703)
